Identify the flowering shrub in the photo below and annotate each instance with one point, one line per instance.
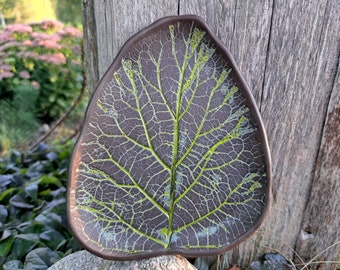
(43, 59)
(33, 227)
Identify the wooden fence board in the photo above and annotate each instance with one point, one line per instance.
(108, 24)
(288, 51)
(321, 225)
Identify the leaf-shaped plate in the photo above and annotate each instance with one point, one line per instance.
(173, 156)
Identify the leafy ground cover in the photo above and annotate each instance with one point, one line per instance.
(33, 227)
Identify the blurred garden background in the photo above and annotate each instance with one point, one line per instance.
(42, 89)
(41, 68)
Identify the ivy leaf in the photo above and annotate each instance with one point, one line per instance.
(41, 258)
(6, 245)
(19, 202)
(173, 156)
(54, 238)
(13, 265)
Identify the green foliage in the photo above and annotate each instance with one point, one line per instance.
(69, 11)
(40, 77)
(23, 11)
(7, 5)
(33, 230)
(44, 58)
(18, 121)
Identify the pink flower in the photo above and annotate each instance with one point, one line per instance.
(5, 72)
(6, 36)
(9, 45)
(46, 40)
(32, 55)
(24, 74)
(5, 68)
(51, 25)
(49, 44)
(27, 43)
(71, 31)
(56, 58)
(44, 36)
(35, 85)
(19, 28)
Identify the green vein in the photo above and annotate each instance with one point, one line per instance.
(127, 66)
(158, 72)
(200, 62)
(120, 219)
(220, 80)
(246, 180)
(145, 103)
(193, 42)
(127, 173)
(207, 156)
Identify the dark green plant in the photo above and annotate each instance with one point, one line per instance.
(173, 156)
(33, 230)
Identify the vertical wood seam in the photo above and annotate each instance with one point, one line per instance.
(267, 56)
(325, 117)
(244, 35)
(234, 26)
(90, 44)
(178, 7)
(322, 135)
(315, 174)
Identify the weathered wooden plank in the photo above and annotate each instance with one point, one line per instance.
(303, 58)
(321, 224)
(292, 81)
(244, 27)
(109, 24)
(288, 51)
(90, 44)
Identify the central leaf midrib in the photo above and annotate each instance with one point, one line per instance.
(176, 139)
(175, 155)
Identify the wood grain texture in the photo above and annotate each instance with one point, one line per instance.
(90, 44)
(109, 24)
(244, 27)
(321, 224)
(288, 51)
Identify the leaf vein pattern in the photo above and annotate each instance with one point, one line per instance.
(171, 150)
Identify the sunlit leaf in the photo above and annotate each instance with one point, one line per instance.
(22, 246)
(6, 194)
(6, 245)
(50, 180)
(173, 156)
